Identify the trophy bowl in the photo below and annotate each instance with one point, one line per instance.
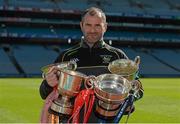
(69, 65)
(68, 87)
(69, 84)
(125, 67)
(111, 90)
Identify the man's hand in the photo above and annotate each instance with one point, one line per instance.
(136, 85)
(137, 89)
(52, 76)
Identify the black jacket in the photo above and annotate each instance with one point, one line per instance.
(91, 61)
(98, 56)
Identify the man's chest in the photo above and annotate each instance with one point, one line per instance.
(92, 58)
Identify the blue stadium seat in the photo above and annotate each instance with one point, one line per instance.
(155, 7)
(6, 67)
(33, 57)
(76, 34)
(151, 66)
(170, 56)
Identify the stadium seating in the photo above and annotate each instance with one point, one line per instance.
(115, 6)
(30, 32)
(33, 57)
(169, 56)
(155, 61)
(31, 3)
(150, 66)
(6, 66)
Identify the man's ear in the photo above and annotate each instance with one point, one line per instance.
(106, 24)
(105, 27)
(81, 25)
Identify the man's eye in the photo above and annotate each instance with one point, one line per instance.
(88, 25)
(98, 26)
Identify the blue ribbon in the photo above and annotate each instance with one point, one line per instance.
(126, 103)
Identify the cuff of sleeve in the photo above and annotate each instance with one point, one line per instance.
(47, 85)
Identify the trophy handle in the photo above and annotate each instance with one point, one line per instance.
(89, 82)
(72, 65)
(44, 75)
(137, 60)
(48, 70)
(136, 86)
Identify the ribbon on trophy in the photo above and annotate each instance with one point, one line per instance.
(128, 102)
(85, 98)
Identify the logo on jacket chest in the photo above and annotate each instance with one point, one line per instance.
(106, 58)
(74, 60)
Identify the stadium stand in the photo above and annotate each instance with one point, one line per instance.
(33, 57)
(6, 66)
(163, 7)
(169, 57)
(150, 66)
(30, 32)
(149, 29)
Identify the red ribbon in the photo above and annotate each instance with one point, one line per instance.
(85, 97)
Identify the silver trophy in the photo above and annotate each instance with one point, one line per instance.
(125, 67)
(111, 90)
(69, 85)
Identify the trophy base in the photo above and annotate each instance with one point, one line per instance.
(108, 106)
(106, 113)
(55, 117)
(61, 108)
(98, 115)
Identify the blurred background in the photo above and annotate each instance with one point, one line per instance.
(34, 32)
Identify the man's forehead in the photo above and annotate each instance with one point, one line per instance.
(97, 14)
(89, 18)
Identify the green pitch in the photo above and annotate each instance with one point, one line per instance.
(20, 101)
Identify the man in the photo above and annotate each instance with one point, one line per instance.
(91, 53)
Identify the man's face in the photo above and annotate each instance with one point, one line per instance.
(93, 28)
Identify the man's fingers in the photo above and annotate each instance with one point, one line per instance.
(52, 79)
(53, 69)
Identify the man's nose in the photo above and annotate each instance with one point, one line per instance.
(92, 30)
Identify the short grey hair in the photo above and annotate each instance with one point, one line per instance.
(94, 11)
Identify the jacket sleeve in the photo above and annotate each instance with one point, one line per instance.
(45, 89)
(139, 94)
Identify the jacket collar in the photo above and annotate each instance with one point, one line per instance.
(98, 44)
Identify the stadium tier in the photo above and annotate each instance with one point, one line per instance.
(154, 62)
(154, 7)
(34, 32)
(158, 66)
(168, 56)
(6, 67)
(32, 58)
(30, 32)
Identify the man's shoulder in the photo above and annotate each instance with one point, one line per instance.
(71, 49)
(113, 49)
(116, 51)
(64, 55)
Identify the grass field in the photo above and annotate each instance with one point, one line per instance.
(20, 101)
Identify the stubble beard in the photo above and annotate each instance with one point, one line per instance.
(92, 39)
